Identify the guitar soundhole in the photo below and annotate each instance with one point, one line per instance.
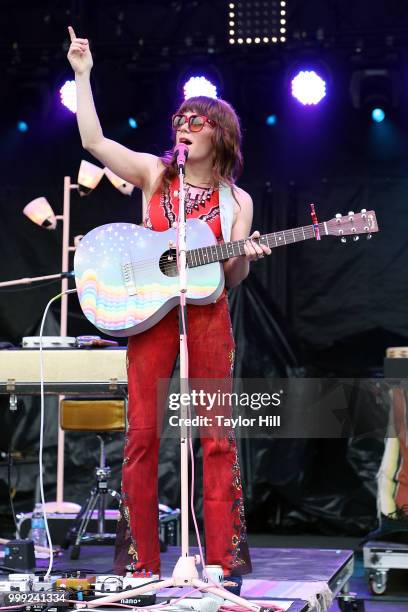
(168, 263)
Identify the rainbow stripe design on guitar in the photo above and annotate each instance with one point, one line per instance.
(127, 280)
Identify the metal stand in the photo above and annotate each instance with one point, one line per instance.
(59, 505)
(96, 499)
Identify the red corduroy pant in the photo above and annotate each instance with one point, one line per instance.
(151, 356)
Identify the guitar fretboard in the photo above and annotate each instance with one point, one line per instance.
(222, 251)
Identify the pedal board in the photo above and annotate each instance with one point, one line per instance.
(33, 594)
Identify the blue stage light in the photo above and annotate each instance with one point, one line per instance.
(271, 120)
(22, 126)
(132, 122)
(378, 115)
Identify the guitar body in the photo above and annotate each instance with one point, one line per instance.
(127, 280)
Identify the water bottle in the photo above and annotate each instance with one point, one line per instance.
(38, 531)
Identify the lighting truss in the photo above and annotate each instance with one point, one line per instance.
(254, 22)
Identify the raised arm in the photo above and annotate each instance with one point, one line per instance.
(140, 169)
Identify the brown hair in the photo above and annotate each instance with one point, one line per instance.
(227, 162)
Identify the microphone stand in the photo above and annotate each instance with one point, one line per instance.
(36, 279)
(188, 562)
(185, 571)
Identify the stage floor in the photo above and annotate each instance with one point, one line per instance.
(297, 578)
(275, 564)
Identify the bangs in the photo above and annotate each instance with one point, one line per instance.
(202, 105)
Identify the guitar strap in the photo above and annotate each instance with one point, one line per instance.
(226, 210)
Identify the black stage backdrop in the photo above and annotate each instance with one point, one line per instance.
(316, 309)
(321, 309)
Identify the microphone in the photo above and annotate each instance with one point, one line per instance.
(181, 154)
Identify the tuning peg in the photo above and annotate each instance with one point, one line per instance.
(351, 213)
(363, 211)
(343, 239)
(355, 238)
(369, 236)
(338, 217)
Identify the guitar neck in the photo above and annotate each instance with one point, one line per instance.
(223, 251)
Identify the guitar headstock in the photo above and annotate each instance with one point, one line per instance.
(353, 224)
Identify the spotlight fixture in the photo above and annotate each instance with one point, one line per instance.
(255, 21)
(89, 177)
(308, 87)
(39, 211)
(375, 89)
(68, 95)
(132, 122)
(123, 186)
(199, 86)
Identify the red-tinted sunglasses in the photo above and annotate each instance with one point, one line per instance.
(195, 122)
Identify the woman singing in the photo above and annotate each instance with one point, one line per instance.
(210, 129)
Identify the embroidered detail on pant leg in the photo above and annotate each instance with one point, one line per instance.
(239, 558)
(231, 359)
(132, 550)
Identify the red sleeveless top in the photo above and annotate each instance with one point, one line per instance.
(201, 203)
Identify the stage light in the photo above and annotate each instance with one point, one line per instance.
(132, 122)
(69, 95)
(40, 212)
(22, 126)
(308, 87)
(199, 86)
(378, 115)
(376, 91)
(118, 182)
(253, 22)
(271, 120)
(89, 176)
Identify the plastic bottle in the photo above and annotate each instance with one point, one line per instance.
(38, 531)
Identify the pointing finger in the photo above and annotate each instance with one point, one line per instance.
(72, 34)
